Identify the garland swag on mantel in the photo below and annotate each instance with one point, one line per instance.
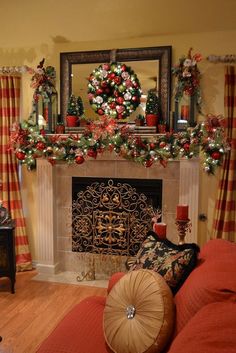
(207, 139)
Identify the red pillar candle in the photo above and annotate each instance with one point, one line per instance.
(182, 212)
(160, 230)
(185, 112)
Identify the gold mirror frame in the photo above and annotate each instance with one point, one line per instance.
(161, 54)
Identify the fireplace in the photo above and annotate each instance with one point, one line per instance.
(113, 216)
(180, 185)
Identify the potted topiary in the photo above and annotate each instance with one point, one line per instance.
(152, 109)
(72, 112)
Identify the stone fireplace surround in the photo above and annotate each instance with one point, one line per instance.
(54, 185)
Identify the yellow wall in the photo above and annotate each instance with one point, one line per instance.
(212, 83)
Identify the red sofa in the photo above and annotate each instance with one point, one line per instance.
(205, 319)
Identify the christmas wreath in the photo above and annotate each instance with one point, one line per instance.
(114, 90)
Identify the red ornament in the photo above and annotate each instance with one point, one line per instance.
(116, 93)
(112, 105)
(162, 144)
(186, 146)
(20, 155)
(106, 67)
(134, 98)
(100, 112)
(123, 67)
(79, 159)
(40, 145)
(117, 80)
(149, 163)
(42, 132)
(152, 145)
(103, 84)
(99, 91)
(107, 90)
(92, 153)
(120, 100)
(215, 155)
(112, 75)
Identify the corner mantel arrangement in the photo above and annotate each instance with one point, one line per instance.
(206, 140)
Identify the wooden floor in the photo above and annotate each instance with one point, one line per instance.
(29, 315)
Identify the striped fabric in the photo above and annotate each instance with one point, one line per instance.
(10, 193)
(224, 225)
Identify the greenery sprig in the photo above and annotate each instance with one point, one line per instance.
(29, 143)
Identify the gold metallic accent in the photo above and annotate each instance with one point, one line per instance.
(110, 219)
(183, 226)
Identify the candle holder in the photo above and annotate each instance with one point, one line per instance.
(183, 226)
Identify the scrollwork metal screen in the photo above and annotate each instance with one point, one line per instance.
(110, 218)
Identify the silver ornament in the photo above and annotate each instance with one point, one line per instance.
(99, 100)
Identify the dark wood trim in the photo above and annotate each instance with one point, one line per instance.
(163, 54)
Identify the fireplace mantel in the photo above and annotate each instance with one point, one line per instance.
(54, 185)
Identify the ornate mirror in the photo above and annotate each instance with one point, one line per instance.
(152, 66)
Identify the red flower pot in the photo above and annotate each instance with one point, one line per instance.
(151, 119)
(72, 120)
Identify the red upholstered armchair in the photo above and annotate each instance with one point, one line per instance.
(205, 312)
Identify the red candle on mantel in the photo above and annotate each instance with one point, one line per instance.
(185, 112)
(182, 212)
(160, 229)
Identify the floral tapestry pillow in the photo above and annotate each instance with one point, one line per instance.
(173, 262)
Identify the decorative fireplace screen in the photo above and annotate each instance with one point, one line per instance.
(110, 218)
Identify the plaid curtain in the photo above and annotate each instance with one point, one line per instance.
(224, 225)
(10, 193)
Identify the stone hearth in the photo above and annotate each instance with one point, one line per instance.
(54, 185)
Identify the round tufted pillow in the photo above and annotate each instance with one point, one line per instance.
(139, 313)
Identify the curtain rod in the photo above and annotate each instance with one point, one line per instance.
(222, 58)
(13, 69)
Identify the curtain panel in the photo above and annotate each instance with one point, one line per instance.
(224, 225)
(11, 197)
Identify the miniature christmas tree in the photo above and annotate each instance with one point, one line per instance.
(80, 106)
(72, 107)
(153, 104)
